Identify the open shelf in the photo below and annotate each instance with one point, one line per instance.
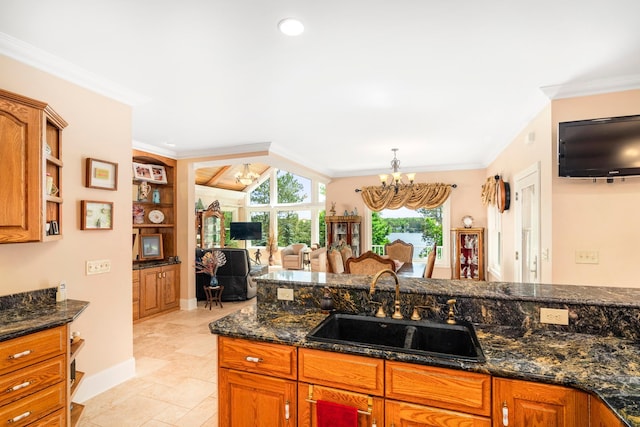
(76, 412)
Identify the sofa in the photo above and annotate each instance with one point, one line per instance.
(235, 275)
(291, 256)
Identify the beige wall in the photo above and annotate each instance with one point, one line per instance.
(576, 214)
(98, 128)
(465, 199)
(531, 146)
(595, 216)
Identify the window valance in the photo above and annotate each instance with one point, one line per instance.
(414, 196)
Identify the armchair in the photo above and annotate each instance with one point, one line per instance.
(318, 259)
(291, 256)
(235, 275)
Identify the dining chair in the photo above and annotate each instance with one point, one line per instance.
(399, 250)
(431, 262)
(369, 263)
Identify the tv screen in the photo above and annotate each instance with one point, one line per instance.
(245, 230)
(599, 148)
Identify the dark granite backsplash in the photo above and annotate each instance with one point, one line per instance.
(592, 310)
(24, 300)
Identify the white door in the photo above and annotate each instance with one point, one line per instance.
(527, 227)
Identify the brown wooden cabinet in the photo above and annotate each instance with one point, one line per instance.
(354, 381)
(431, 396)
(159, 216)
(344, 229)
(159, 290)
(34, 378)
(256, 383)
(601, 416)
(31, 153)
(525, 403)
(467, 253)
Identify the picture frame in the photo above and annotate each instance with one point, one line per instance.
(54, 229)
(96, 215)
(158, 174)
(142, 172)
(101, 174)
(150, 247)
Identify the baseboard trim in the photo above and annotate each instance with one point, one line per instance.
(188, 304)
(93, 385)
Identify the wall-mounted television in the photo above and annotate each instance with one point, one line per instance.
(596, 148)
(245, 230)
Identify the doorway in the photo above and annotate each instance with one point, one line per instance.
(527, 225)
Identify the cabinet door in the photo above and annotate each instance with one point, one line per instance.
(407, 414)
(252, 400)
(371, 408)
(20, 174)
(538, 405)
(170, 284)
(149, 291)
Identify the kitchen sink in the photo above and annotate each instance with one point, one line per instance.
(457, 341)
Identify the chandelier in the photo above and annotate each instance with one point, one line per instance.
(246, 177)
(396, 182)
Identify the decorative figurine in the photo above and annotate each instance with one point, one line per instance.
(333, 209)
(257, 256)
(143, 191)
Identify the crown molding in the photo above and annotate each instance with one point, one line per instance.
(592, 87)
(42, 60)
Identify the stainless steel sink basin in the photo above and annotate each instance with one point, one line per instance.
(428, 338)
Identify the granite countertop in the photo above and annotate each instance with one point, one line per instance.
(606, 366)
(37, 315)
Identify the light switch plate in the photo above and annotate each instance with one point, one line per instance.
(99, 266)
(285, 294)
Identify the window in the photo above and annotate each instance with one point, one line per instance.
(421, 227)
(298, 215)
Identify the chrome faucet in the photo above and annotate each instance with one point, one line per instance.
(396, 314)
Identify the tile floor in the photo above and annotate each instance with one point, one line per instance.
(176, 374)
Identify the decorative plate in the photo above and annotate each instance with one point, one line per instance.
(156, 216)
(467, 221)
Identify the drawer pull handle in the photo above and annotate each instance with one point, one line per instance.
(19, 386)
(18, 418)
(19, 355)
(253, 359)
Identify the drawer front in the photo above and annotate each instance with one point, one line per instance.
(55, 419)
(33, 407)
(16, 385)
(262, 358)
(24, 351)
(439, 387)
(408, 414)
(345, 371)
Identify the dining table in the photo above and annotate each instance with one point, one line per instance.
(412, 269)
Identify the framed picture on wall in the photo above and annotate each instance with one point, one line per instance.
(102, 174)
(150, 247)
(96, 215)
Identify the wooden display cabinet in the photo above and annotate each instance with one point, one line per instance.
(156, 218)
(31, 153)
(344, 229)
(467, 253)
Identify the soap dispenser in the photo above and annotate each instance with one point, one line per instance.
(326, 303)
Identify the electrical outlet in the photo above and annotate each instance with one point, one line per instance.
(99, 266)
(587, 257)
(285, 294)
(554, 316)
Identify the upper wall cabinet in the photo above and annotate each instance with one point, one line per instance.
(30, 170)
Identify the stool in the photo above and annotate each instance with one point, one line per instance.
(214, 294)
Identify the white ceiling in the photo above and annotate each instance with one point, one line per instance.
(449, 83)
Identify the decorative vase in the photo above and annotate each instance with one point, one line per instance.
(270, 258)
(156, 196)
(213, 281)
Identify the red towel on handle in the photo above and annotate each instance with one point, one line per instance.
(336, 415)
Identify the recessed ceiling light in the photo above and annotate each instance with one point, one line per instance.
(291, 27)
